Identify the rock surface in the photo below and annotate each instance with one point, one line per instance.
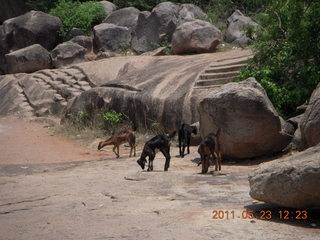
(67, 53)
(189, 12)
(291, 182)
(84, 41)
(111, 37)
(310, 122)
(250, 125)
(30, 28)
(28, 59)
(125, 17)
(236, 32)
(195, 37)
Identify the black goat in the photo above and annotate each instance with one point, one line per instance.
(210, 145)
(161, 142)
(185, 132)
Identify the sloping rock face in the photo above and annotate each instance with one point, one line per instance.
(236, 32)
(291, 182)
(250, 125)
(146, 89)
(310, 122)
(195, 36)
(29, 59)
(125, 17)
(111, 37)
(30, 28)
(67, 53)
(84, 41)
(189, 12)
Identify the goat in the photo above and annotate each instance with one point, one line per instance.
(210, 145)
(119, 138)
(185, 132)
(161, 142)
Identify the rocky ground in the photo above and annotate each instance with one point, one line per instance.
(55, 189)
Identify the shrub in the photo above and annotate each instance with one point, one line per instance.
(82, 15)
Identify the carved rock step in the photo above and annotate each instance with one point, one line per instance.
(232, 61)
(216, 82)
(211, 76)
(220, 69)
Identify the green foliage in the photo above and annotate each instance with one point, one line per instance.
(41, 5)
(80, 120)
(287, 53)
(82, 15)
(112, 119)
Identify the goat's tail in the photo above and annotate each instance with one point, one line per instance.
(172, 134)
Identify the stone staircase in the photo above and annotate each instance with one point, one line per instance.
(220, 72)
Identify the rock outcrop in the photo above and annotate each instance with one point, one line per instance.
(111, 37)
(310, 122)
(31, 28)
(250, 125)
(236, 32)
(28, 59)
(67, 53)
(195, 37)
(291, 182)
(84, 41)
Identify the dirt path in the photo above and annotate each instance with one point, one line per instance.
(53, 189)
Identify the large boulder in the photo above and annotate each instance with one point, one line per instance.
(67, 53)
(167, 14)
(109, 7)
(125, 17)
(237, 24)
(291, 182)
(110, 36)
(195, 37)
(10, 9)
(146, 36)
(310, 122)
(3, 50)
(189, 12)
(29, 59)
(30, 28)
(250, 125)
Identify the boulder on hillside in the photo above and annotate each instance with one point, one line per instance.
(250, 125)
(189, 12)
(109, 7)
(29, 59)
(10, 9)
(110, 36)
(195, 37)
(125, 17)
(167, 13)
(67, 53)
(30, 28)
(84, 41)
(310, 122)
(291, 182)
(146, 36)
(74, 32)
(237, 24)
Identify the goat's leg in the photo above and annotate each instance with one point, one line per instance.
(113, 149)
(166, 153)
(150, 164)
(180, 152)
(188, 144)
(205, 164)
(219, 160)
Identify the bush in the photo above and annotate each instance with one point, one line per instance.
(287, 53)
(82, 15)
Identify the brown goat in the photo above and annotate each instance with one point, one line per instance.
(119, 138)
(210, 146)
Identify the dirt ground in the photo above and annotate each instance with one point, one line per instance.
(52, 188)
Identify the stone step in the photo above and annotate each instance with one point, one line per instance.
(221, 69)
(207, 76)
(207, 87)
(227, 62)
(218, 81)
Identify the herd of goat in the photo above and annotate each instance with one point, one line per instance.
(210, 146)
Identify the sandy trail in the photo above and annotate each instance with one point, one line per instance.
(54, 189)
